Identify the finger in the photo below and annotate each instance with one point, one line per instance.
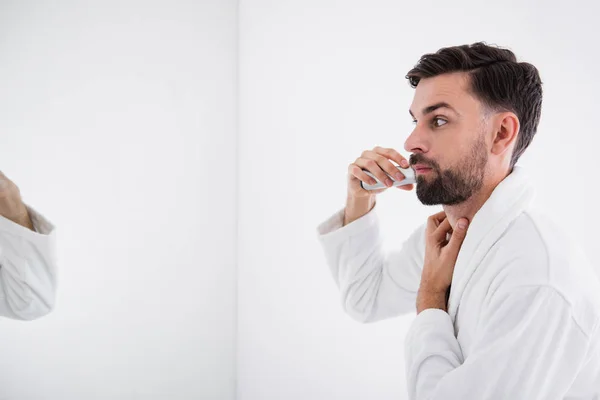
(441, 232)
(458, 236)
(4, 182)
(406, 187)
(382, 157)
(433, 222)
(373, 167)
(391, 169)
(358, 173)
(438, 217)
(392, 155)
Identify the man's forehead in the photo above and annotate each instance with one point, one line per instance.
(450, 89)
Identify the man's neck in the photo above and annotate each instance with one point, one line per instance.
(469, 208)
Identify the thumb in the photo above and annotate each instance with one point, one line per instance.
(458, 234)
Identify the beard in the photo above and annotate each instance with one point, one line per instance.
(453, 185)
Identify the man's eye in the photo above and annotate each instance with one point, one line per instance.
(414, 121)
(435, 122)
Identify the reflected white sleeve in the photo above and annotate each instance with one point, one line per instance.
(27, 268)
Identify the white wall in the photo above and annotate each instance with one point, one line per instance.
(323, 80)
(118, 122)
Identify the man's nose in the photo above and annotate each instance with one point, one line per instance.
(416, 143)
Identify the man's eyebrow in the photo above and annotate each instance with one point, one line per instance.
(434, 107)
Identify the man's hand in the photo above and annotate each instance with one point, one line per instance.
(440, 257)
(11, 204)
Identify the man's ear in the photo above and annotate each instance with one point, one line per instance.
(506, 132)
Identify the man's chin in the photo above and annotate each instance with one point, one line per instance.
(425, 197)
(428, 202)
(432, 200)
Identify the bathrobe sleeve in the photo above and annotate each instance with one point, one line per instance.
(527, 346)
(373, 285)
(27, 267)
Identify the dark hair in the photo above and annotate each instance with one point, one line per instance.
(497, 79)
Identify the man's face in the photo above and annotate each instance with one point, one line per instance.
(449, 138)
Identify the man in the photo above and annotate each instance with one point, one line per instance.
(508, 307)
(27, 257)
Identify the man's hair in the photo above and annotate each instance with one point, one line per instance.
(496, 79)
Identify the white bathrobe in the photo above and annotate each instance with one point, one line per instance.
(523, 312)
(27, 267)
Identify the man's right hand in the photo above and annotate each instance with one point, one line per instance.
(377, 161)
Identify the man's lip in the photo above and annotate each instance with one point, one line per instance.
(421, 167)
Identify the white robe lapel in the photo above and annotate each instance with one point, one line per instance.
(509, 199)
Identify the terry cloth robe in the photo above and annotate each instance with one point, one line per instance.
(523, 309)
(27, 267)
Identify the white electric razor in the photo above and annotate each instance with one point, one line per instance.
(409, 177)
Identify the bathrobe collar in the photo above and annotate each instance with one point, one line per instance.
(509, 199)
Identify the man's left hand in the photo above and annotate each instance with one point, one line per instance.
(440, 258)
(11, 204)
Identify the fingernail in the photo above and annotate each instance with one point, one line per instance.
(404, 163)
(398, 176)
(389, 182)
(462, 224)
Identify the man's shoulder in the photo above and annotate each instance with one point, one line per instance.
(534, 251)
(535, 235)
(539, 252)
(523, 241)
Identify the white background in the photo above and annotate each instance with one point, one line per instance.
(118, 123)
(187, 213)
(321, 81)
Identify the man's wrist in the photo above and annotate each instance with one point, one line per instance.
(22, 217)
(356, 208)
(431, 298)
